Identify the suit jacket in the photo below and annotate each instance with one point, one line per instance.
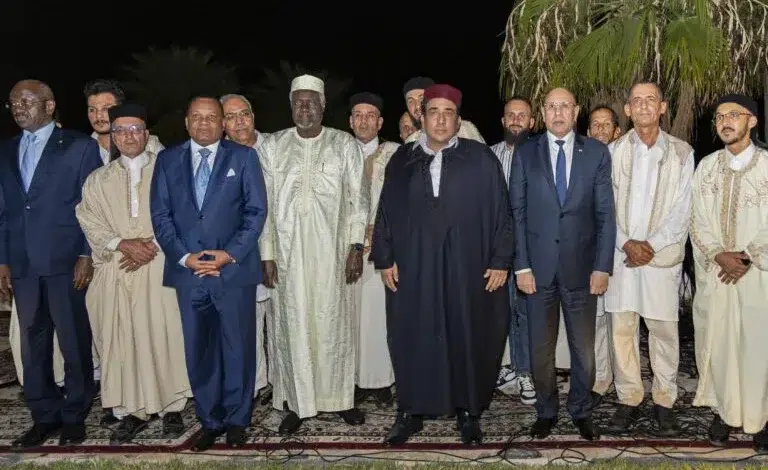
(570, 241)
(231, 218)
(42, 236)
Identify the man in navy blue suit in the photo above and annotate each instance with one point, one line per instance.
(565, 230)
(209, 205)
(45, 259)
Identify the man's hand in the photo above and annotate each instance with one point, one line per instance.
(526, 283)
(732, 268)
(354, 268)
(638, 253)
(5, 282)
(199, 267)
(136, 253)
(390, 277)
(369, 239)
(83, 272)
(598, 283)
(270, 273)
(496, 278)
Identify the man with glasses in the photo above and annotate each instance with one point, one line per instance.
(652, 175)
(730, 250)
(46, 260)
(562, 202)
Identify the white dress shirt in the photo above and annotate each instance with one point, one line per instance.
(370, 147)
(437, 163)
(194, 148)
(567, 148)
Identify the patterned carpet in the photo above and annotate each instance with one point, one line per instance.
(505, 423)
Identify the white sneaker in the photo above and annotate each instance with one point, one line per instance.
(507, 380)
(527, 391)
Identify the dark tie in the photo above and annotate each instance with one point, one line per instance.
(560, 182)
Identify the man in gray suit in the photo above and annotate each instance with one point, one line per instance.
(565, 230)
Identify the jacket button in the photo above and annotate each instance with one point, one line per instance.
(557, 240)
(27, 208)
(562, 215)
(202, 217)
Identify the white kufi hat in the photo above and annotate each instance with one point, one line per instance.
(308, 82)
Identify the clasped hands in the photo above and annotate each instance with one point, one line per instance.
(208, 267)
(733, 266)
(638, 253)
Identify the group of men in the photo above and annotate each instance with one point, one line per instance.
(369, 263)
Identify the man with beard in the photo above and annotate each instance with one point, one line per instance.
(515, 375)
(406, 126)
(443, 241)
(604, 124)
(312, 248)
(374, 367)
(47, 261)
(729, 234)
(413, 90)
(239, 125)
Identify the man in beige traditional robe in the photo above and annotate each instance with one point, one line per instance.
(652, 175)
(312, 247)
(729, 234)
(413, 90)
(143, 365)
(374, 366)
(239, 125)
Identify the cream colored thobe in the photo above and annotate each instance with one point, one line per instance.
(136, 320)
(652, 190)
(374, 366)
(730, 213)
(317, 210)
(466, 131)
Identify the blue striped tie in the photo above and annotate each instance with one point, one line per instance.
(202, 176)
(560, 182)
(28, 161)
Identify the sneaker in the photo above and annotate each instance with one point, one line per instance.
(527, 390)
(507, 380)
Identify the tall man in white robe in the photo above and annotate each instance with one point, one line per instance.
(312, 247)
(239, 125)
(729, 234)
(143, 365)
(374, 366)
(652, 175)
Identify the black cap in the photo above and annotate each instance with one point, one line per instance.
(417, 83)
(742, 100)
(367, 98)
(127, 110)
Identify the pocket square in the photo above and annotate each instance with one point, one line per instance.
(231, 172)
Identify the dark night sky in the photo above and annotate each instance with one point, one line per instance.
(377, 44)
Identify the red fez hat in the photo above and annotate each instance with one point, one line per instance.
(442, 90)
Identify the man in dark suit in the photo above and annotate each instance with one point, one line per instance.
(47, 260)
(565, 229)
(208, 207)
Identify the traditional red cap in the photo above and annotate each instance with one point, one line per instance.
(442, 90)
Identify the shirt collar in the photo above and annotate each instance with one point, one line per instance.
(422, 142)
(741, 160)
(42, 134)
(568, 138)
(195, 147)
(370, 147)
(138, 162)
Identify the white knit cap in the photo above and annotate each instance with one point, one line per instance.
(308, 82)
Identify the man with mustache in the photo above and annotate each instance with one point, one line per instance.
(413, 90)
(312, 248)
(652, 176)
(730, 250)
(515, 375)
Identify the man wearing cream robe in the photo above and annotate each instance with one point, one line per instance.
(312, 247)
(652, 174)
(729, 233)
(143, 365)
(374, 366)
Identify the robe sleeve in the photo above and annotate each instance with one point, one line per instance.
(471, 132)
(94, 221)
(357, 192)
(674, 228)
(757, 249)
(382, 252)
(254, 209)
(518, 189)
(704, 238)
(267, 239)
(504, 237)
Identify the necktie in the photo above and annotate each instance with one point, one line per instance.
(202, 176)
(28, 161)
(560, 182)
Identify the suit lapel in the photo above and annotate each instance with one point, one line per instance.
(186, 172)
(50, 152)
(576, 164)
(15, 161)
(546, 161)
(219, 164)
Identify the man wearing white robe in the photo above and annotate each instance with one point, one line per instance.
(312, 247)
(652, 174)
(729, 234)
(374, 366)
(239, 125)
(143, 365)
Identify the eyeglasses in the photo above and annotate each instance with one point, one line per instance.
(732, 116)
(244, 114)
(24, 104)
(124, 130)
(554, 107)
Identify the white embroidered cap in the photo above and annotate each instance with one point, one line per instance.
(308, 82)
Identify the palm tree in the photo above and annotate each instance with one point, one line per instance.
(271, 103)
(166, 79)
(696, 50)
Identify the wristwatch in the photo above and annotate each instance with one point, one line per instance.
(358, 246)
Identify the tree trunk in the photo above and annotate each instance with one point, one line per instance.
(765, 105)
(682, 122)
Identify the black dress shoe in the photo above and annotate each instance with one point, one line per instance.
(173, 425)
(405, 426)
(36, 435)
(469, 427)
(624, 418)
(352, 417)
(719, 432)
(290, 424)
(666, 420)
(108, 418)
(128, 428)
(542, 428)
(72, 434)
(587, 429)
(236, 436)
(206, 440)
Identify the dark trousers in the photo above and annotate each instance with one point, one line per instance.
(219, 326)
(579, 309)
(47, 306)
